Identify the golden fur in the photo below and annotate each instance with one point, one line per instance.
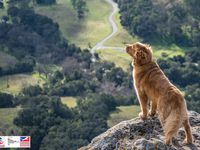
(152, 86)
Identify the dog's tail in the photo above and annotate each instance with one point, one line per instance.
(172, 123)
(175, 120)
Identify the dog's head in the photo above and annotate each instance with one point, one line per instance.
(141, 53)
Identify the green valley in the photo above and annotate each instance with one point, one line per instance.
(65, 76)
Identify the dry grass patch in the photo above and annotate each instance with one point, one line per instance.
(69, 101)
(123, 113)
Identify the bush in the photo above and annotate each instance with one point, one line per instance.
(6, 100)
(32, 90)
(1, 4)
(46, 2)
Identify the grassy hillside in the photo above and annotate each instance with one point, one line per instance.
(92, 29)
(170, 50)
(122, 36)
(121, 59)
(18, 82)
(7, 117)
(123, 113)
(81, 32)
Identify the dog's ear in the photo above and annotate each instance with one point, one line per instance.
(141, 54)
(148, 47)
(141, 57)
(127, 45)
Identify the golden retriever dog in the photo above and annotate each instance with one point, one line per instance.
(153, 87)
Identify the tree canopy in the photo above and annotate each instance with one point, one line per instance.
(163, 21)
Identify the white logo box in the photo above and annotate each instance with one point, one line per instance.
(12, 142)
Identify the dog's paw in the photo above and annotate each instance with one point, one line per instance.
(168, 142)
(151, 113)
(142, 116)
(187, 142)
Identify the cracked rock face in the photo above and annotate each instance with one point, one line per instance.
(137, 134)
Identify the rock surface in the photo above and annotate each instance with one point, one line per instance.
(136, 134)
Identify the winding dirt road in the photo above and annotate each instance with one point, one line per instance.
(100, 45)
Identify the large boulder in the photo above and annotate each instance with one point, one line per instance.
(136, 134)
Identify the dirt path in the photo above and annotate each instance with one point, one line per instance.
(100, 44)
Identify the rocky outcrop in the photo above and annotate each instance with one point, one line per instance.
(136, 134)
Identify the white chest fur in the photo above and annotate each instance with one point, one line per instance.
(134, 83)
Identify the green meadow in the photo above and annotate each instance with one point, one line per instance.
(122, 37)
(85, 32)
(15, 83)
(120, 59)
(6, 121)
(123, 113)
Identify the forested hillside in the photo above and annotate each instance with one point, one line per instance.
(167, 21)
(36, 43)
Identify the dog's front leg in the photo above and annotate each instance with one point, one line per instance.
(153, 108)
(143, 105)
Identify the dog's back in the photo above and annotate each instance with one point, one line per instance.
(151, 80)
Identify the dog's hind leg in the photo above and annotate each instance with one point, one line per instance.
(188, 139)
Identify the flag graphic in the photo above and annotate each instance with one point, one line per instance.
(25, 141)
